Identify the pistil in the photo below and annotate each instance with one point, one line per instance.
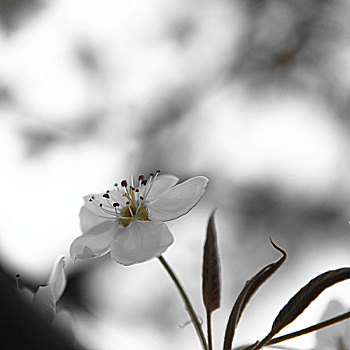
(134, 207)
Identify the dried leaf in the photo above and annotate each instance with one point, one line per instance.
(211, 269)
(248, 291)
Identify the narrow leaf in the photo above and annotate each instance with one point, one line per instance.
(303, 298)
(306, 295)
(211, 269)
(246, 294)
(211, 276)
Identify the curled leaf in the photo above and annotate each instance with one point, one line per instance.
(246, 294)
(211, 269)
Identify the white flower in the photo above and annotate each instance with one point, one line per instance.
(128, 221)
(47, 296)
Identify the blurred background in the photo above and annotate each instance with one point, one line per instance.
(254, 94)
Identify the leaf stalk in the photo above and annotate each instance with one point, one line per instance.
(210, 341)
(310, 329)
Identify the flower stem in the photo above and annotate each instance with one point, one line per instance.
(310, 329)
(187, 302)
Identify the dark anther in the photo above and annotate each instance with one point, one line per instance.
(137, 190)
(90, 200)
(92, 197)
(116, 185)
(141, 177)
(127, 203)
(141, 197)
(115, 205)
(101, 205)
(151, 174)
(107, 191)
(124, 183)
(17, 275)
(158, 171)
(144, 182)
(106, 195)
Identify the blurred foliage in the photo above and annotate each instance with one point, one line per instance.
(295, 45)
(13, 13)
(271, 210)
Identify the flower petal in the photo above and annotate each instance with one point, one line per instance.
(65, 322)
(25, 293)
(88, 219)
(58, 279)
(95, 242)
(179, 200)
(161, 184)
(141, 241)
(44, 301)
(117, 196)
(91, 214)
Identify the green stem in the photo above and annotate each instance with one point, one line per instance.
(310, 329)
(187, 302)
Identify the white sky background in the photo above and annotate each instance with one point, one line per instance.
(290, 139)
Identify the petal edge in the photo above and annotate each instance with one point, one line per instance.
(95, 243)
(141, 241)
(178, 200)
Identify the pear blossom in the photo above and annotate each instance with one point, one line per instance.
(46, 297)
(128, 221)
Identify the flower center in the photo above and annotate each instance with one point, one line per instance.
(135, 211)
(132, 207)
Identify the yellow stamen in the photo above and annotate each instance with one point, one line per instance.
(134, 211)
(127, 196)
